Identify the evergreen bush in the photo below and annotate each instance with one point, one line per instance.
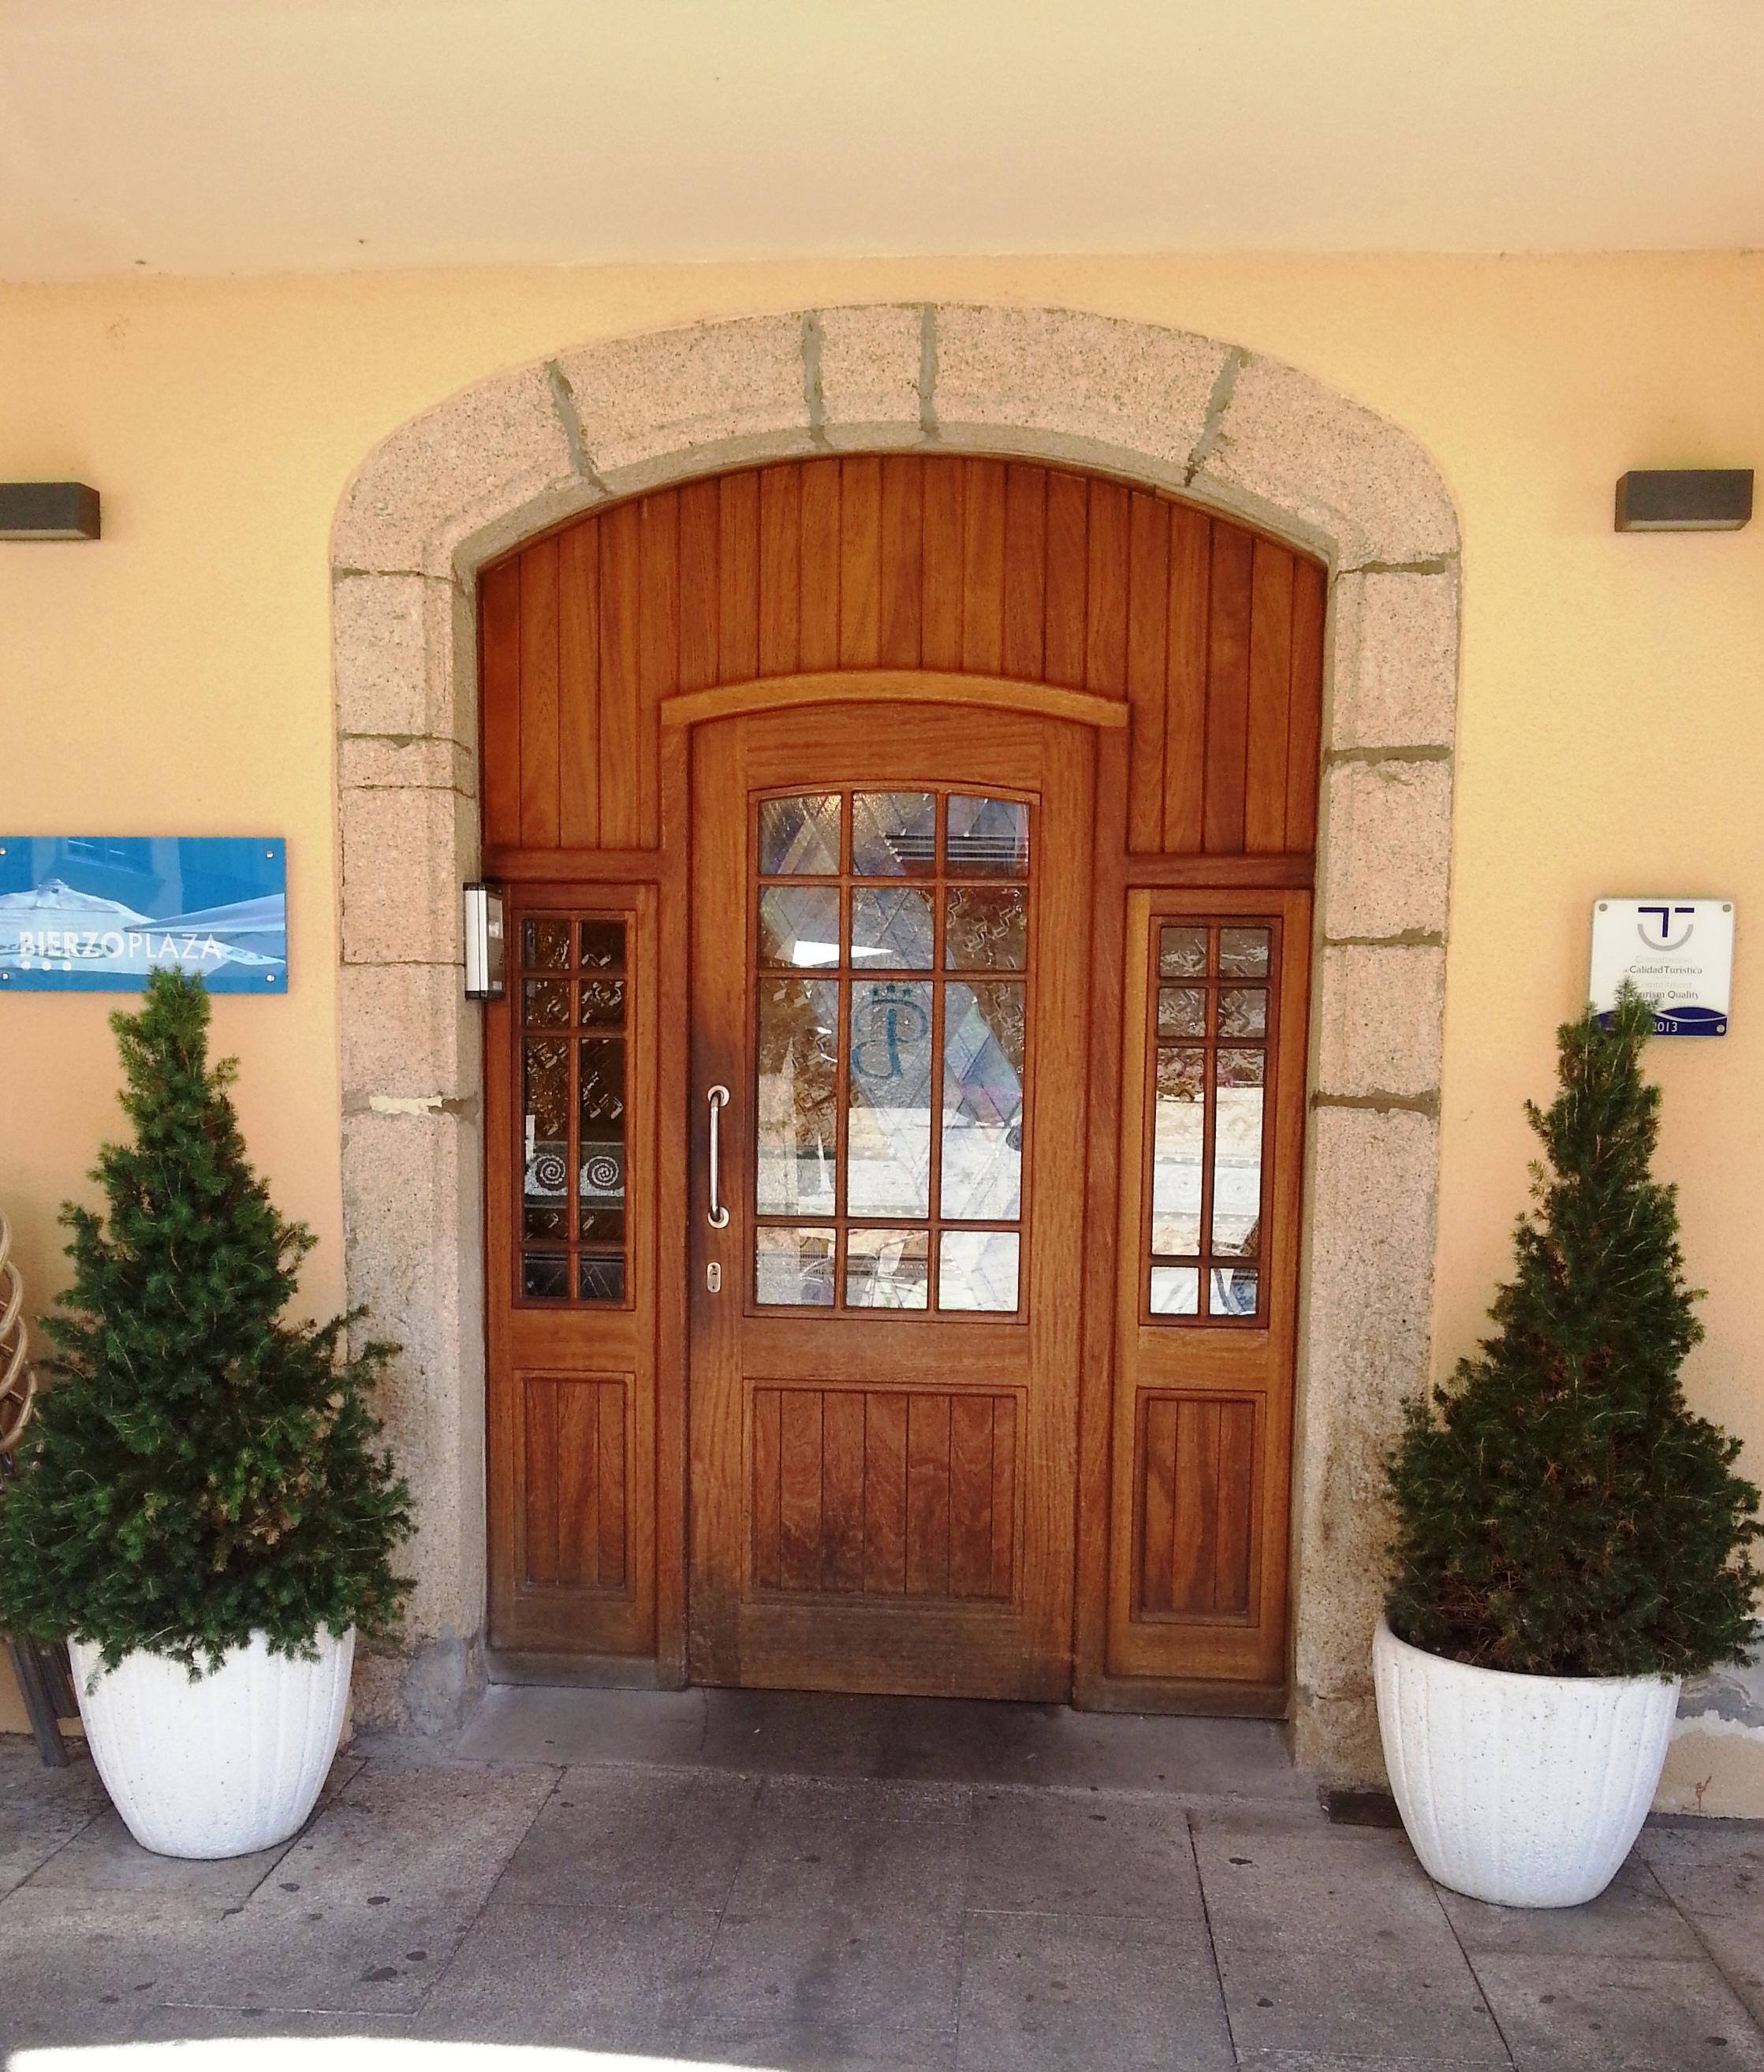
(1560, 1511)
(201, 1468)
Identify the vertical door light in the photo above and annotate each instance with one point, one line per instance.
(484, 943)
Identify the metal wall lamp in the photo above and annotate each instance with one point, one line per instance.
(48, 510)
(1683, 499)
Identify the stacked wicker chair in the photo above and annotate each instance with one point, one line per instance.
(41, 1672)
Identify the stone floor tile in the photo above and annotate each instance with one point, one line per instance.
(1299, 1884)
(41, 1809)
(1736, 1948)
(77, 1965)
(827, 1992)
(251, 2028)
(1048, 1990)
(1082, 1853)
(646, 1838)
(1710, 1868)
(1342, 2003)
(523, 1723)
(847, 1848)
(1631, 1917)
(1595, 2014)
(614, 1979)
(105, 1857)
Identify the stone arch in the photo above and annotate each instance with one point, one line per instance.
(532, 446)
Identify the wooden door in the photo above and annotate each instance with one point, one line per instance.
(1212, 1080)
(890, 913)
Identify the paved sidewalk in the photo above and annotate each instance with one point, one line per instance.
(829, 1883)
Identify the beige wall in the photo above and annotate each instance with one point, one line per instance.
(175, 677)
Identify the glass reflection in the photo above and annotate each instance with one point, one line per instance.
(1181, 1010)
(797, 1104)
(794, 1268)
(1175, 1291)
(894, 834)
(1179, 1141)
(985, 928)
(1237, 1153)
(983, 1099)
(987, 838)
(602, 1002)
(1243, 1011)
(603, 945)
(545, 945)
(544, 1276)
(977, 1270)
(799, 925)
(547, 1003)
(1181, 952)
(1242, 952)
(890, 929)
(800, 837)
(886, 1269)
(888, 1131)
(1231, 1291)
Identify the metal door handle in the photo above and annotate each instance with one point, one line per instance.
(718, 1099)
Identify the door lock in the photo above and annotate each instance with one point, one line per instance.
(714, 1278)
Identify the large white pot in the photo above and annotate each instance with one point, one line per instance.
(1525, 1791)
(229, 1764)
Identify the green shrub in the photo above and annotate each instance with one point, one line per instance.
(1563, 1513)
(201, 1468)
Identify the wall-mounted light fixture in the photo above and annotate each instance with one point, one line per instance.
(48, 510)
(484, 943)
(1683, 499)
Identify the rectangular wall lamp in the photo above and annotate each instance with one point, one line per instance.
(48, 510)
(1683, 499)
(483, 942)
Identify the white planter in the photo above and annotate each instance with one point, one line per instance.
(229, 1764)
(1524, 1791)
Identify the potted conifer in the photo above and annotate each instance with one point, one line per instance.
(200, 1509)
(1571, 1541)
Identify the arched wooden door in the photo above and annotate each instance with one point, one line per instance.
(952, 820)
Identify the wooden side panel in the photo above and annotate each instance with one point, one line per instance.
(1228, 689)
(983, 569)
(1185, 714)
(821, 498)
(1105, 627)
(498, 663)
(658, 650)
(902, 576)
(941, 576)
(574, 1473)
(738, 577)
(1270, 693)
(578, 687)
(699, 523)
(539, 696)
(1195, 1471)
(1148, 642)
(860, 562)
(1305, 707)
(621, 727)
(780, 570)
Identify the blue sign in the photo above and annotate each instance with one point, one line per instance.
(96, 912)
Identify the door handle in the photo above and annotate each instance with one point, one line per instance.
(719, 1100)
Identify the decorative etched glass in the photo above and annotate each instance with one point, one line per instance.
(985, 928)
(1181, 952)
(890, 928)
(978, 1270)
(894, 834)
(799, 925)
(793, 1268)
(800, 837)
(888, 1140)
(798, 1109)
(987, 838)
(983, 1099)
(887, 1269)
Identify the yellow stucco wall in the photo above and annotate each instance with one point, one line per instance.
(175, 677)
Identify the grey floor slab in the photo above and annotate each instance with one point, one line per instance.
(249, 2027)
(1045, 1992)
(1299, 1884)
(1352, 2005)
(613, 1979)
(1585, 2014)
(522, 1723)
(850, 1849)
(41, 1809)
(663, 1838)
(80, 1966)
(1077, 1853)
(1633, 1917)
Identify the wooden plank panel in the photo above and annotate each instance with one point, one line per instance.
(539, 696)
(860, 562)
(798, 1488)
(738, 577)
(941, 608)
(983, 567)
(885, 1493)
(1270, 684)
(970, 1496)
(1068, 577)
(658, 650)
(927, 1496)
(700, 504)
(902, 560)
(768, 1567)
(539, 1465)
(578, 686)
(1304, 724)
(1228, 689)
(1004, 1495)
(1026, 570)
(499, 608)
(611, 1483)
(621, 562)
(578, 1481)
(1105, 627)
(1157, 1476)
(1148, 619)
(780, 569)
(1185, 711)
(1196, 1501)
(842, 1490)
(1236, 1506)
(820, 560)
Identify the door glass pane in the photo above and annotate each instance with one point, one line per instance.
(603, 945)
(545, 1100)
(1242, 952)
(544, 1276)
(894, 834)
(601, 1277)
(602, 1002)
(545, 945)
(1181, 952)
(1175, 1291)
(890, 929)
(794, 1268)
(888, 1142)
(985, 928)
(1232, 1291)
(1179, 1138)
(1243, 1011)
(1237, 1153)
(600, 1175)
(1182, 1011)
(800, 837)
(987, 838)
(547, 1003)
(977, 1270)
(983, 1099)
(799, 925)
(797, 1104)
(886, 1269)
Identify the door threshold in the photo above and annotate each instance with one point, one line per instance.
(962, 1742)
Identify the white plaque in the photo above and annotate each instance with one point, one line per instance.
(1678, 954)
